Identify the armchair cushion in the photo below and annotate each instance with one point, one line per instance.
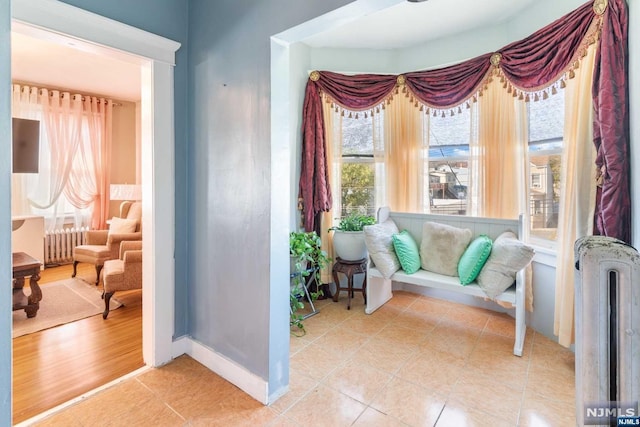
(97, 237)
(93, 254)
(122, 225)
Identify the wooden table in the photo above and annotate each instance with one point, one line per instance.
(23, 266)
(349, 268)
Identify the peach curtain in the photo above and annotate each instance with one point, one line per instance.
(498, 162)
(578, 191)
(498, 157)
(89, 177)
(333, 140)
(403, 152)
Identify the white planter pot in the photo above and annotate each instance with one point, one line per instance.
(349, 245)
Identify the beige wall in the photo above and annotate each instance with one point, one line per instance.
(124, 155)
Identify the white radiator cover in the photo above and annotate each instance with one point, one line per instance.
(59, 244)
(607, 315)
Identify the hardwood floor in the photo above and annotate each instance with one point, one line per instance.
(53, 366)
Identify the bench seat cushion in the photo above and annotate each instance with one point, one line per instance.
(441, 281)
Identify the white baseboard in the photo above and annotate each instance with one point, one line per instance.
(253, 385)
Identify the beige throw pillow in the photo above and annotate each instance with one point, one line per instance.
(442, 246)
(122, 226)
(379, 242)
(508, 256)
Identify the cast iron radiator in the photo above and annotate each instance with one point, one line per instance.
(607, 324)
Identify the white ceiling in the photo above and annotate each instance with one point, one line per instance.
(407, 24)
(53, 61)
(68, 64)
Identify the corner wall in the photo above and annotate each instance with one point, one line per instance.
(5, 214)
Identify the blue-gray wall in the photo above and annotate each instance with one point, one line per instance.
(231, 308)
(167, 18)
(5, 214)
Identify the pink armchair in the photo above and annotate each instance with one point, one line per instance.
(124, 273)
(103, 245)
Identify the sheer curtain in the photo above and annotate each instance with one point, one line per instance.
(89, 175)
(578, 185)
(75, 146)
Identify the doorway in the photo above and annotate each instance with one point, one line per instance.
(156, 55)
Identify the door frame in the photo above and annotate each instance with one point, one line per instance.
(156, 56)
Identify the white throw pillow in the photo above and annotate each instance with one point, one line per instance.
(379, 242)
(442, 246)
(508, 256)
(122, 225)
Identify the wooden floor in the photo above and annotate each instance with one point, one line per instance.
(53, 366)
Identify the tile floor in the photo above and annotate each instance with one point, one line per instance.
(417, 361)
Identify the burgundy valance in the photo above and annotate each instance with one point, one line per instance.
(529, 65)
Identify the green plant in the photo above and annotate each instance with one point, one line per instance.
(354, 222)
(308, 259)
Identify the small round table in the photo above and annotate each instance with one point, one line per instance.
(349, 268)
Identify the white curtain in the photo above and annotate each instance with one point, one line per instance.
(578, 191)
(75, 146)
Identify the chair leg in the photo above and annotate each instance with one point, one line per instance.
(98, 270)
(75, 265)
(107, 298)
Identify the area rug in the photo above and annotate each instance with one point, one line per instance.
(62, 302)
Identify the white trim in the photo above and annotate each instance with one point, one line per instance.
(82, 25)
(158, 205)
(158, 144)
(544, 255)
(253, 385)
(180, 346)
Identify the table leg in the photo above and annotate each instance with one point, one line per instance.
(35, 297)
(349, 290)
(364, 288)
(337, 282)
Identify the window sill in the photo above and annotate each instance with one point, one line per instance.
(545, 256)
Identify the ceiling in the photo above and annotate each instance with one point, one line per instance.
(57, 62)
(67, 64)
(407, 24)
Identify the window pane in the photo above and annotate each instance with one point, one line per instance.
(448, 163)
(358, 192)
(546, 127)
(357, 136)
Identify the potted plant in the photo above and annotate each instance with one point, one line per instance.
(307, 259)
(348, 237)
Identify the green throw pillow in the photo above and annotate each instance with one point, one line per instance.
(407, 251)
(473, 259)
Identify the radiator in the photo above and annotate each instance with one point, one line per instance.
(59, 244)
(607, 340)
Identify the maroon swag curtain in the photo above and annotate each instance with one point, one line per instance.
(528, 65)
(611, 126)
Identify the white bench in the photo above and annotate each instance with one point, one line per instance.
(379, 288)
